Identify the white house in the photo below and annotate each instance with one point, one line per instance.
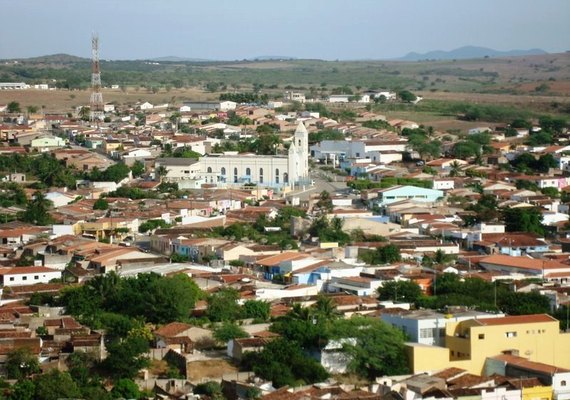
(27, 275)
(185, 108)
(146, 106)
(227, 105)
(443, 184)
(59, 199)
(339, 98)
(295, 96)
(109, 107)
(428, 327)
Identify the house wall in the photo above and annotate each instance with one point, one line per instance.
(29, 279)
(410, 192)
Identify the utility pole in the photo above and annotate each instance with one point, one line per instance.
(97, 107)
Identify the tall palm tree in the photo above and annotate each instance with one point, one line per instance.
(455, 168)
(325, 307)
(300, 313)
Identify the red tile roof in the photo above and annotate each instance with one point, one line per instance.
(25, 270)
(172, 329)
(529, 365)
(517, 319)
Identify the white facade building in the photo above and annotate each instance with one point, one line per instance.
(264, 170)
(277, 171)
(27, 275)
(428, 327)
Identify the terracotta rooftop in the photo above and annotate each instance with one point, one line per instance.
(278, 258)
(25, 270)
(523, 262)
(517, 319)
(528, 365)
(172, 329)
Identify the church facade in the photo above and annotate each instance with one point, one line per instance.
(275, 171)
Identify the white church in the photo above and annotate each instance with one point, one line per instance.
(275, 171)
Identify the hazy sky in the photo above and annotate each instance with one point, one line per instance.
(237, 29)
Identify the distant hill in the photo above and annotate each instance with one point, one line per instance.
(177, 59)
(467, 52)
(269, 58)
(54, 59)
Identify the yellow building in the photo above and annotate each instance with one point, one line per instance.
(537, 393)
(468, 343)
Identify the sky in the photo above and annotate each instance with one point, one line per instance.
(238, 29)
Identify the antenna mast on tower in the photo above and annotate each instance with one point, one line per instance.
(96, 114)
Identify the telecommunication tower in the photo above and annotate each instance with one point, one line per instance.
(96, 112)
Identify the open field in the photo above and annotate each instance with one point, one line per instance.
(63, 100)
(199, 371)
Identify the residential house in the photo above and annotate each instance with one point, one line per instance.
(14, 276)
(469, 343)
(47, 143)
(358, 285)
(427, 326)
(525, 265)
(399, 193)
(518, 367)
(238, 347)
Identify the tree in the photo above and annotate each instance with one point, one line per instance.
(407, 96)
(55, 385)
(325, 308)
(84, 113)
(101, 204)
(211, 389)
(32, 109)
(324, 203)
(21, 363)
(37, 210)
(125, 389)
(284, 363)
(405, 291)
(528, 219)
(126, 357)
(377, 348)
(14, 107)
(223, 306)
(256, 309)
(161, 171)
(138, 168)
(383, 255)
(455, 168)
(228, 331)
(171, 299)
(24, 389)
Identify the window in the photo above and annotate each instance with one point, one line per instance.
(260, 175)
(24, 278)
(481, 336)
(562, 383)
(235, 175)
(209, 170)
(276, 175)
(36, 277)
(11, 279)
(426, 333)
(285, 177)
(248, 171)
(511, 334)
(223, 171)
